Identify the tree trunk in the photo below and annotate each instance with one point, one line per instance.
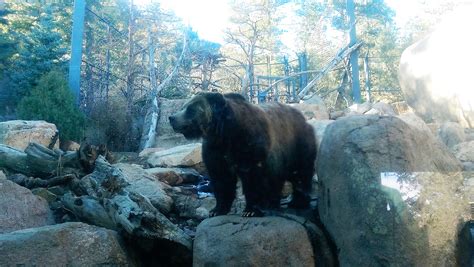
(39, 161)
(130, 91)
(152, 115)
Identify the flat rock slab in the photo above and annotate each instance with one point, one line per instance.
(68, 244)
(237, 241)
(180, 156)
(20, 209)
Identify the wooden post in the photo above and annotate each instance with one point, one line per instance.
(367, 76)
(355, 54)
(76, 49)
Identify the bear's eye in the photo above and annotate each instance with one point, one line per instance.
(190, 111)
(193, 110)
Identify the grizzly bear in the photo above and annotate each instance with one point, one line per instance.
(262, 145)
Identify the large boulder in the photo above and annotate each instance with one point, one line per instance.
(435, 72)
(180, 156)
(319, 127)
(166, 137)
(68, 244)
(451, 133)
(236, 241)
(465, 153)
(404, 220)
(19, 134)
(21, 209)
(313, 108)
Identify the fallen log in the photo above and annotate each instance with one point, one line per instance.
(108, 203)
(31, 182)
(40, 161)
(14, 160)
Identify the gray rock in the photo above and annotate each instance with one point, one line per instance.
(358, 109)
(372, 223)
(319, 127)
(451, 134)
(180, 156)
(166, 137)
(68, 244)
(436, 92)
(417, 123)
(465, 151)
(168, 107)
(469, 133)
(19, 134)
(45, 194)
(381, 108)
(2, 176)
(21, 209)
(468, 166)
(313, 110)
(144, 184)
(237, 241)
(401, 108)
(192, 207)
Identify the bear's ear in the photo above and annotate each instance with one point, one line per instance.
(215, 100)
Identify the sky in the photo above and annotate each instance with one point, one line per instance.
(210, 17)
(207, 17)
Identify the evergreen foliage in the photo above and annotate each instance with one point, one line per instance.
(41, 45)
(52, 100)
(7, 47)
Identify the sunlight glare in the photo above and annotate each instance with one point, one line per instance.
(208, 17)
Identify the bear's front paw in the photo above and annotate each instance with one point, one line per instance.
(252, 212)
(216, 212)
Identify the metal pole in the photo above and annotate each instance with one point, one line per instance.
(354, 55)
(367, 76)
(303, 65)
(76, 49)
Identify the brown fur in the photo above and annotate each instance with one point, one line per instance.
(262, 145)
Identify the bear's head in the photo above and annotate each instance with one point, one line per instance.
(199, 115)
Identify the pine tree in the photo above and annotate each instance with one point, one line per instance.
(52, 100)
(7, 48)
(41, 47)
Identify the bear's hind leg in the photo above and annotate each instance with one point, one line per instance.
(301, 190)
(252, 187)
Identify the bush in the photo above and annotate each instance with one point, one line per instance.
(52, 101)
(109, 125)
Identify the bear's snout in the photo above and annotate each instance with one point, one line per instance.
(174, 122)
(172, 119)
